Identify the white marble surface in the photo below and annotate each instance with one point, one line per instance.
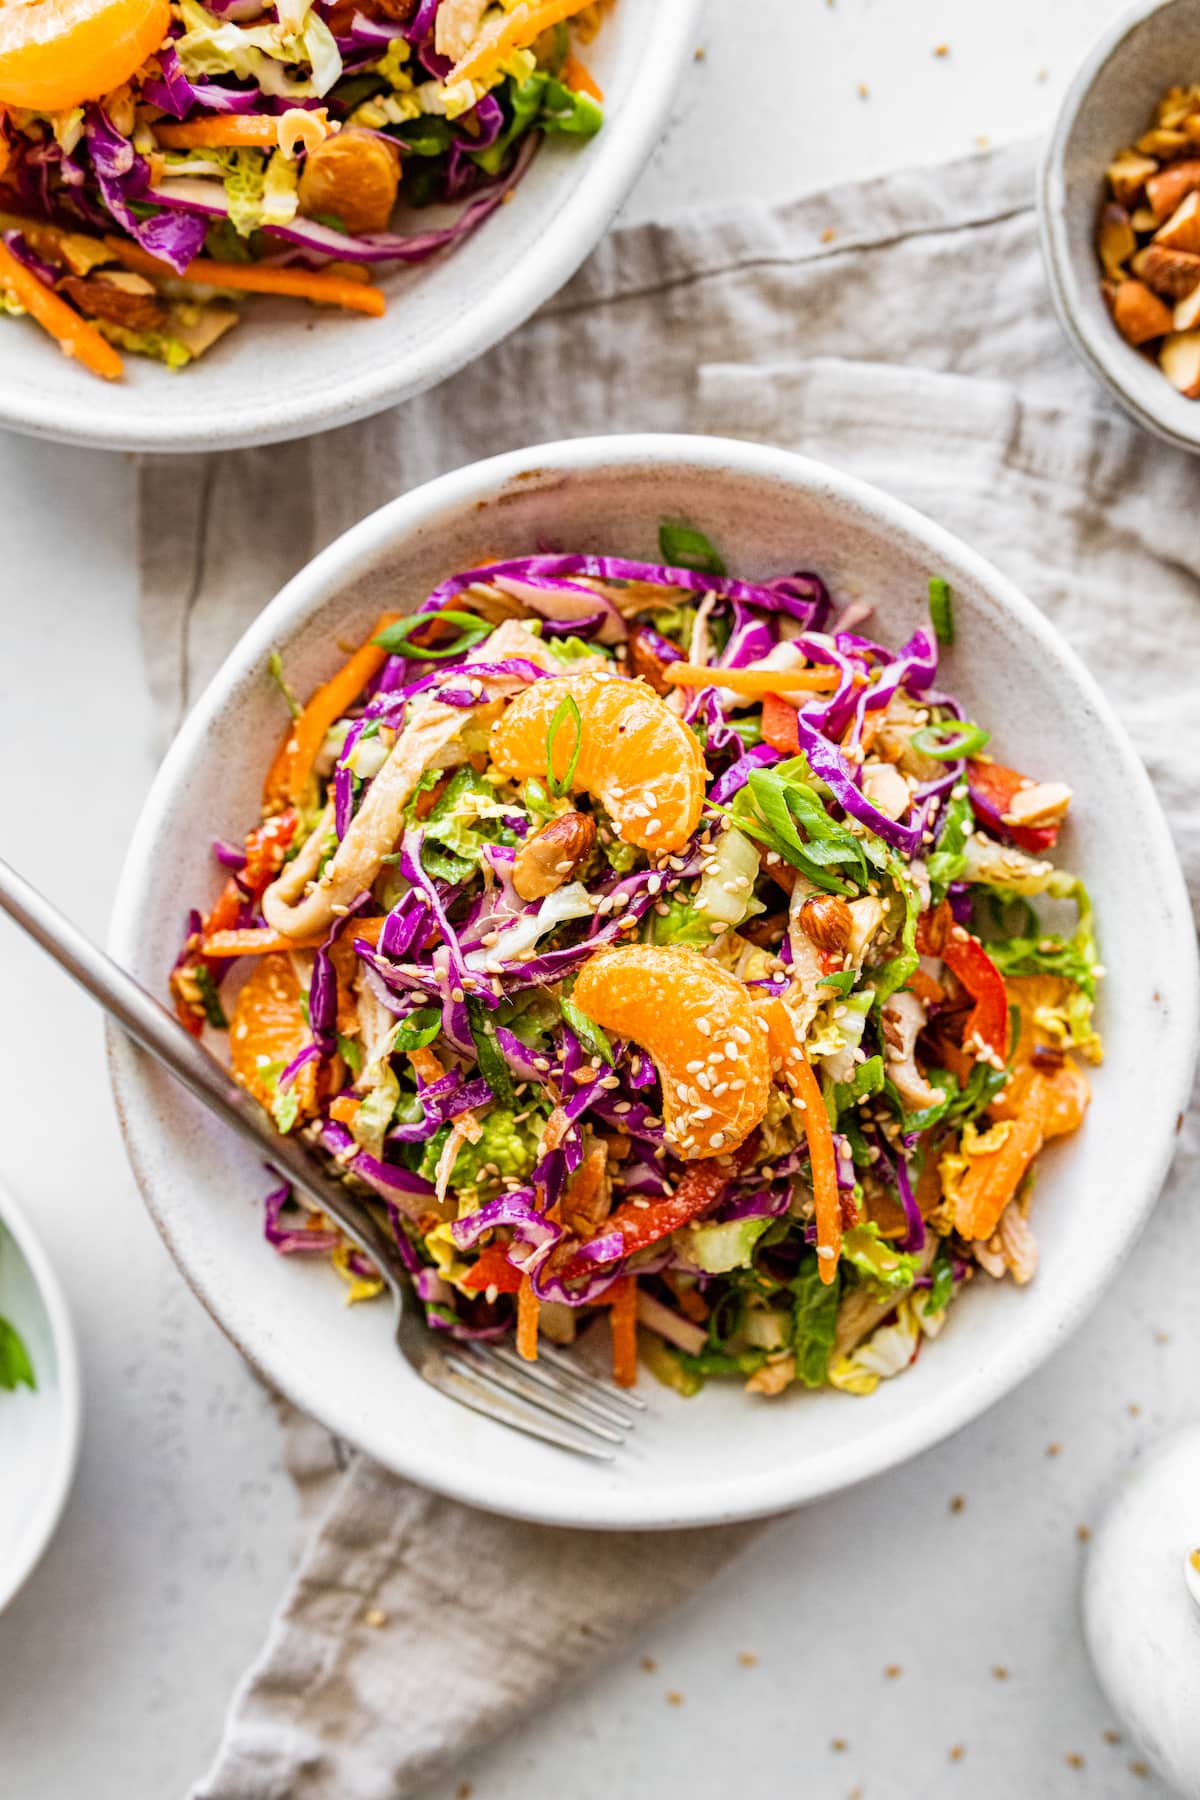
(116, 1662)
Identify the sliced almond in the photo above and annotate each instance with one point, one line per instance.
(101, 299)
(1041, 803)
(1172, 273)
(1138, 314)
(1115, 241)
(1128, 175)
(1187, 312)
(1179, 360)
(198, 328)
(1182, 229)
(1165, 190)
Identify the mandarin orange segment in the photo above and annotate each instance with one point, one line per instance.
(268, 1029)
(697, 1022)
(56, 54)
(636, 756)
(1059, 1095)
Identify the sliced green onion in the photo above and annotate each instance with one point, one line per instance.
(940, 613)
(841, 983)
(594, 1041)
(492, 1066)
(420, 1028)
(683, 547)
(566, 709)
(949, 739)
(397, 638)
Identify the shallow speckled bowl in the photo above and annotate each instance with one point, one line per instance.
(1108, 105)
(39, 1429)
(290, 369)
(722, 1455)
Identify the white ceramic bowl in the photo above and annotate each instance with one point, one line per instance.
(722, 1455)
(290, 369)
(1108, 105)
(39, 1431)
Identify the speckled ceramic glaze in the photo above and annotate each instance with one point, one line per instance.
(722, 1455)
(39, 1430)
(1108, 105)
(290, 369)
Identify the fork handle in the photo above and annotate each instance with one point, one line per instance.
(152, 1026)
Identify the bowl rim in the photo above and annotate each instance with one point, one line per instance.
(571, 233)
(1100, 360)
(352, 555)
(70, 1390)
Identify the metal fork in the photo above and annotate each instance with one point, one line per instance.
(552, 1399)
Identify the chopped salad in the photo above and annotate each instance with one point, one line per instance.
(653, 947)
(161, 158)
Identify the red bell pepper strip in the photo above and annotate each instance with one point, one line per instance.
(698, 1192)
(965, 957)
(492, 1270)
(991, 788)
(779, 725)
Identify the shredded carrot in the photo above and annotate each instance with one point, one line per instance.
(251, 278)
(260, 940)
(427, 1065)
(797, 1072)
(528, 1307)
(344, 1109)
(288, 775)
(253, 940)
(579, 77)
(225, 131)
(925, 987)
(622, 1300)
(689, 1300)
(69, 328)
(992, 1179)
(512, 32)
(751, 681)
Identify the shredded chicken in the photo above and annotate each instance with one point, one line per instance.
(903, 1021)
(459, 23)
(1018, 1246)
(430, 740)
(777, 1373)
(804, 995)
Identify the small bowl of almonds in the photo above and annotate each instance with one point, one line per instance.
(1119, 203)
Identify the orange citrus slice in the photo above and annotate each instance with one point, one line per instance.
(58, 53)
(354, 176)
(636, 756)
(267, 1029)
(698, 1023)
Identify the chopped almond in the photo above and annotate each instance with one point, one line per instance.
(1187, 312)
(1165, 190)
(1162, 143)
(1128, 175)
(1041, 803)
(1172, 273)
(1115, 240)
(1179, 360)
(137, 309)
(1142, 219)
(1138, 314)
(1182, 229)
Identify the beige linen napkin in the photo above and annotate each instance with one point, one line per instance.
(933, 366)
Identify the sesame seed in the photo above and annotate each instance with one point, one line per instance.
(623, 1106)
(717, 928)
(719, 1089)
(704, 1027)
(717, 1139)
(825, 1252)
(456, 993)
(693, 1068)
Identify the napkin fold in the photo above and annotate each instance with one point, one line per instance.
(898, 328)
